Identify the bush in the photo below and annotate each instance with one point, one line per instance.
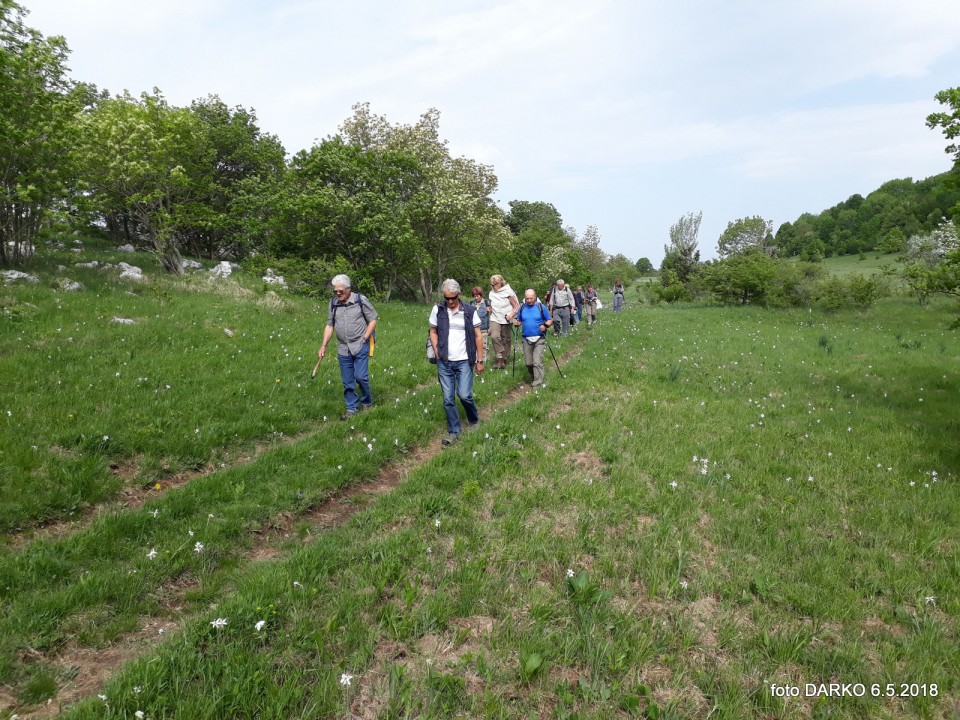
(854, 292)
(753, 277)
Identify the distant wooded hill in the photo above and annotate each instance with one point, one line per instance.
(881, 221)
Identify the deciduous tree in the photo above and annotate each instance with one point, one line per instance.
(37, 105)
(750, 232)
(140, 155)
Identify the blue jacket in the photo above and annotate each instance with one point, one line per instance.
(531, 317)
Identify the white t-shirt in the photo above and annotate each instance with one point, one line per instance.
(500, 305)
(457, 339)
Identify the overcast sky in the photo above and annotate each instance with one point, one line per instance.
(625, 114)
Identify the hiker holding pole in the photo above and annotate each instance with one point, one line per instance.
(354, 320)
(533, 320)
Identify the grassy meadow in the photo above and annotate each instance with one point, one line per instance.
(713, 508)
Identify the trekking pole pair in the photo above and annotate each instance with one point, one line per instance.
(518, 338)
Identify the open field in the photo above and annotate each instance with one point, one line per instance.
(713, 501)
(871, 263)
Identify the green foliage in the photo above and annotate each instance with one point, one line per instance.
(681, 255)
(744, 234)
(644, 266)
(37, 104)
(236, 154)
(309, 277)
(897, 209)
(754, 277)
(669, 289)
(949, 122)
(524, 214)
(854, 291)
(139, 157)
(745, 277)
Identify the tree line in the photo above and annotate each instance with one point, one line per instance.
(387, 203)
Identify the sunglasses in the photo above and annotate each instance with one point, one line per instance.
(448, 298)
(339, 292)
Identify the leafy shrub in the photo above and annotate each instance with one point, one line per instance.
(854, 292)
(669, 289)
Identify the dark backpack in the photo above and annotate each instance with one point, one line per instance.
(543, 313)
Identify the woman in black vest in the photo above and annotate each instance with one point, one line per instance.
(458, 346)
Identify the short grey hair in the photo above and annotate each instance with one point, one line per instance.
(450, 285)
(341, 280)
(561, 282)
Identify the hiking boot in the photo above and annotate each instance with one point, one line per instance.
(449, 440)
(348, 416)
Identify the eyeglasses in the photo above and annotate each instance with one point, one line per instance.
(339, 291)
(448, 298)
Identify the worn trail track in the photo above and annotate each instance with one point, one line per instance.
(90, 668)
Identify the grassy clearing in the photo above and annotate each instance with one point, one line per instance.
(712, 501)
(871, 263)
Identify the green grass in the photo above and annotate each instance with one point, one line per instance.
(872, 262)
(713, 500)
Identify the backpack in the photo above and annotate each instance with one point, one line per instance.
(543, 313)
(363, 314)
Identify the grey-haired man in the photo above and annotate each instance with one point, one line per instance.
(353, 319)
(562, 304)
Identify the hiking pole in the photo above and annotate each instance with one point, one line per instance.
(513, 342)
(554, 357)
(315, 368)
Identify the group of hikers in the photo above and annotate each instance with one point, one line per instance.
(457, 339)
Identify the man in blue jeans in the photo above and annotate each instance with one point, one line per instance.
(458, 346)
(353, 319)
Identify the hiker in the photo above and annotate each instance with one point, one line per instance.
(458, 347)
(590, 305)
(578, 299)
(617, 295)
(533, 321)
(353, 318)
(483, 310)
(503, 306)
(561, 306)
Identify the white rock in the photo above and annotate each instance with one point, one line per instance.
(271, 279)
(93, 264)
(192, 265)
(126, 248)
(10, 276)
(123, 321)
(130, 272)
(222, 270)
(71, 286)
